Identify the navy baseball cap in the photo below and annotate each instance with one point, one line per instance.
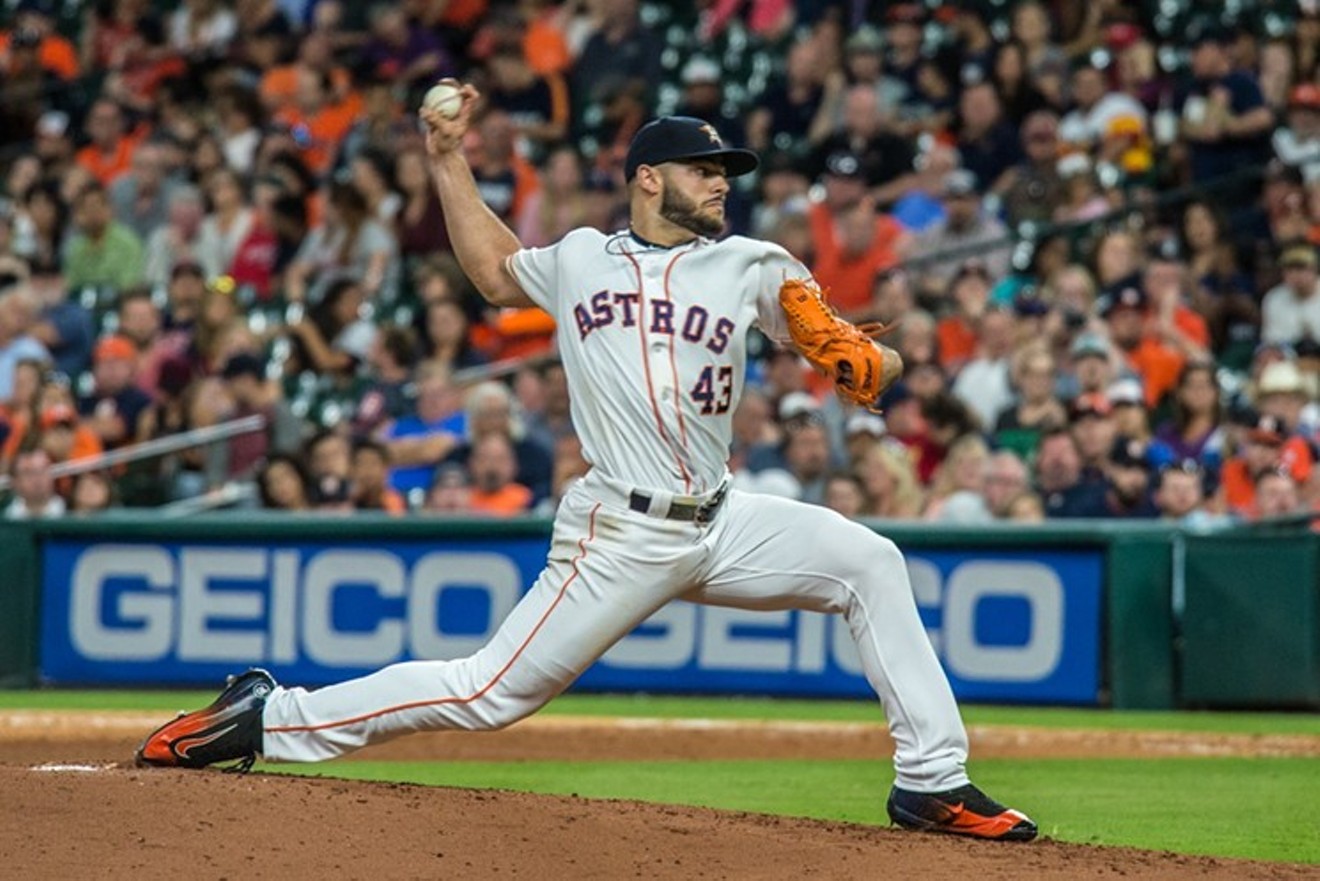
(676, 138)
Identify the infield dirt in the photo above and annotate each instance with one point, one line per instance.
(92, 816)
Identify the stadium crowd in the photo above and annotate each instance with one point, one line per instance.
(1094, 224)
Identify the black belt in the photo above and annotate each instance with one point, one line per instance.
(691, 512)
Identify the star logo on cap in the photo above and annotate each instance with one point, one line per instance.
(709, 131)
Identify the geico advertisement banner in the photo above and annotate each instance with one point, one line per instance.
(1017, 625)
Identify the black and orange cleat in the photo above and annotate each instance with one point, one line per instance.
(962, 811)
(229, 730)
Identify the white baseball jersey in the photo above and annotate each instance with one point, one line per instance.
(659, 335)
(654, 345)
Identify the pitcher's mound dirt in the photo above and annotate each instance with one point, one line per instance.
(105, 822)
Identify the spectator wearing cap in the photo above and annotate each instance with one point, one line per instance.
(388, 372)
(1019, 426)
(1195, 429)
(1091, 420)
(18, 315)
(64, 437)
(861, 429)
(1266, 444)
(1224, 116)
(53, 144)
(903, 39)
(965, 229)
(906, 424)
(863, 60)
(1058, 478)
(1032, 189)
(1164, 281)
(449, 493)
(28, 85)
(250, 393)
(115, 405)
(989, 144)
(1297, 144)
(1128, 472)
(62, 326)
(1095, 107)
(1282, 390)
(1291, 309)
(34, 23)
(703, 98)
(1126, 310)
(102, 252)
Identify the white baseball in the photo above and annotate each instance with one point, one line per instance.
(445, 99)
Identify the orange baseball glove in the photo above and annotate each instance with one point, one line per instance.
(861, 368)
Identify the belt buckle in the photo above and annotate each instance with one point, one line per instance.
(705, 513)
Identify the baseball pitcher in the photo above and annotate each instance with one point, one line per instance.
(652, 327)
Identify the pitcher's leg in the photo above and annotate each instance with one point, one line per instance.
(791, 555)
(578, 608)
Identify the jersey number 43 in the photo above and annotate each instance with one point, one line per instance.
(714, 389)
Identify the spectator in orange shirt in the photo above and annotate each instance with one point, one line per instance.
(1126, 309)
(111, 148)
(279, 85)
(853, 243)
(493, 466)
(1165, 283)
(969, 292)
(317, 120)
(1266, 446)
(55, 53)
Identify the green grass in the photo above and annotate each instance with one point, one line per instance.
(749, 708)
(1247, 808)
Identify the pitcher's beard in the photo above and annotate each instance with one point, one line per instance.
(679, 210)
